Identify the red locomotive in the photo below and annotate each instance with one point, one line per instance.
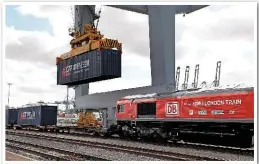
(169, 116)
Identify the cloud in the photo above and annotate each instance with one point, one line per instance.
(38, 46)
(129, 28)
(55, 15)
(214, 33)
(229, 23)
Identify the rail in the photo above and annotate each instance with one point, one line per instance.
(62, 154)
(163, 155)
(218, 148)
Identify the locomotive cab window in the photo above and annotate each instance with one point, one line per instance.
(146, 110)
(120, 108)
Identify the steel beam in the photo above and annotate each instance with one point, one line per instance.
(162, 44)
(143, 9)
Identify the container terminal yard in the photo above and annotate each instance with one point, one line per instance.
(165, 121)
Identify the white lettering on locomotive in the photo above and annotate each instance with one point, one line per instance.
(233, 102)
(172, 109)
(214, 102)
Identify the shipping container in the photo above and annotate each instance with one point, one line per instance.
(96, 65)
(11, 116)
(42, 115)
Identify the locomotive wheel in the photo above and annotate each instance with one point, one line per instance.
(121, 135)
(244, 139)
(158, 138)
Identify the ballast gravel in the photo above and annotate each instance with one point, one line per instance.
(91, 151)
(190, 151)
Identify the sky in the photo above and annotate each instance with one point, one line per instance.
(35, 35)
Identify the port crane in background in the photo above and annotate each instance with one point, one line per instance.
(177, 78)
(196, 76)
(186, 78)
(217, 76)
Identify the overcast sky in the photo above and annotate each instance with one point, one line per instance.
(35, 35)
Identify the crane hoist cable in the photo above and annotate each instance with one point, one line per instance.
(78, 22)
(99, 15)
(91, 14)
(78, 18)
(72, 15)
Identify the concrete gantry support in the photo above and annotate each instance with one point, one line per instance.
(162, 44)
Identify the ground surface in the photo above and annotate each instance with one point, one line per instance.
(9, 156)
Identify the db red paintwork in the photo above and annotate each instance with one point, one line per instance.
(226, 105)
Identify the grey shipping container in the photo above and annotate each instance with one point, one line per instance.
(11, 116)
(90, 67)
(38, 115)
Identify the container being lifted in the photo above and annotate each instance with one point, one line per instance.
(91, 59)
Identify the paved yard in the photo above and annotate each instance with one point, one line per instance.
(9, 156)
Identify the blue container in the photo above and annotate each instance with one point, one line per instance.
(11, 116)
(90, 67)
(38, 115)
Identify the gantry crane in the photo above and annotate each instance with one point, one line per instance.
(161, 35)
(162, 53)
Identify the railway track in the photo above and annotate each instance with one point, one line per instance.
(49, 153)
(217, 148)
(163, 155)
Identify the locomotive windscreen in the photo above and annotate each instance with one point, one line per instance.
(146, 110)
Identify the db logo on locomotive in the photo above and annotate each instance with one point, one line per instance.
(172, 109)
